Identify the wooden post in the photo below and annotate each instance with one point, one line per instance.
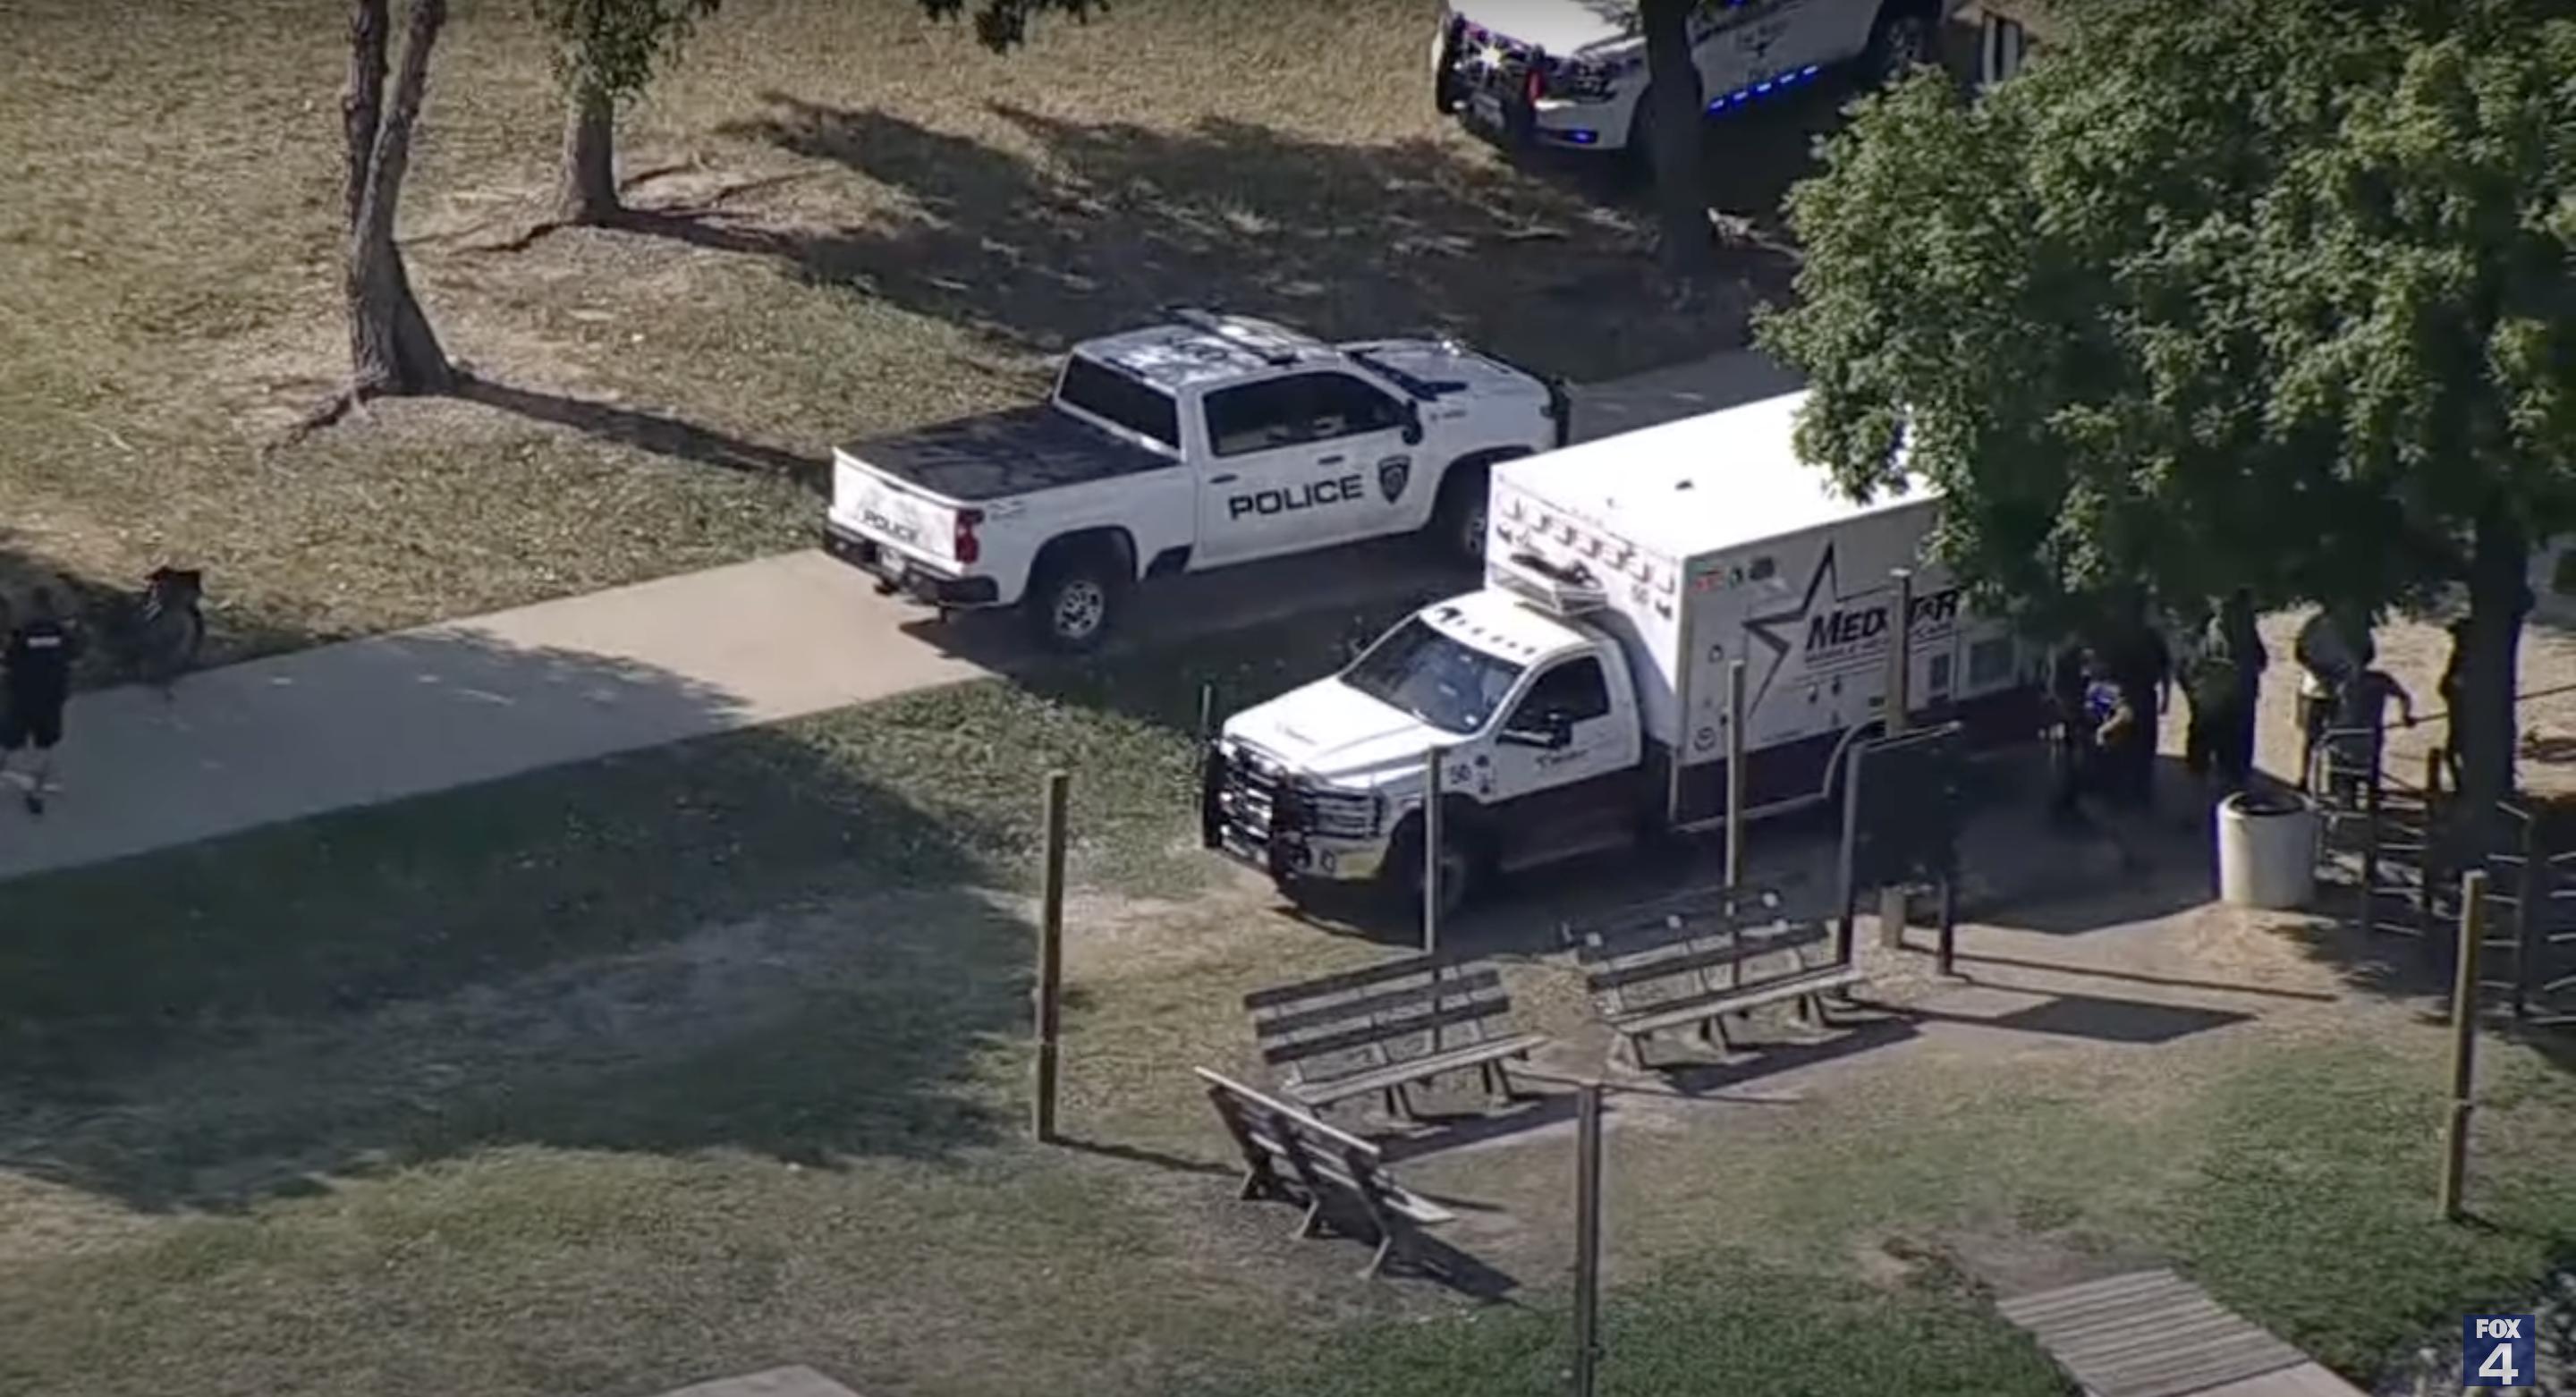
(1587, 1238)
(1946, 950)
(1050, 986)
(1899, 706)
(2531, 894)
(1431, 850)
(2370, 856)
(2464, 1043)
(1207, 711)
(2430, 859)
(1734, 774)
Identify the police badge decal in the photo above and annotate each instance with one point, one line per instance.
(1392, 473)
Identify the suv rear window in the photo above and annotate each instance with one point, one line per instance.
(1111, 396)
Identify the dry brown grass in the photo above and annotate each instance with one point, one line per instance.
(855, 221)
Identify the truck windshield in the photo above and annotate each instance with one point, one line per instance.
(1416, 669)
(1123, 399)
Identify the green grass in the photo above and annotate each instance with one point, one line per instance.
(1723, 1325)
(870, 224)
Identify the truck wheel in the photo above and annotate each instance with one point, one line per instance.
(1074, 600)
(1461, 870)
(1901, 40)
(1457, 530)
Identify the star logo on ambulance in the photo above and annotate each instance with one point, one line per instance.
(1782, 631)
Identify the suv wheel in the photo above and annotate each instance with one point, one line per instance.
(1074, 602)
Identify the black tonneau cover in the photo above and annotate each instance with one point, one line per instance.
(1006, 453)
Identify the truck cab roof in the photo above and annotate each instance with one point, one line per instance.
(1200, 348)
(1499, 623)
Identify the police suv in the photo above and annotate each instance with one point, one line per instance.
(1205, 442)
(1571, 74)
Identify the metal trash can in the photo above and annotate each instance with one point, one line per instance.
(2267, 850)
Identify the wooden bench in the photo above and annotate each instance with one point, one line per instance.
(1677, 970)
(1385, 1028)
(1290, 1155)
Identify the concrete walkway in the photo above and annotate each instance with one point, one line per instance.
(760, 642)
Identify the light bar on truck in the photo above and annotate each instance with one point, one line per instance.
(1561, 591)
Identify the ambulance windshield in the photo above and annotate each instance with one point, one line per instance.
(1439, 681)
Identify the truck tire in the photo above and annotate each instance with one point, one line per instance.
(1457, 528)
(1076, 594)
(1902, 38)
(1462, 869)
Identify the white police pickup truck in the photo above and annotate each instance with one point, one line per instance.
(1571, 74)
(1202, 443)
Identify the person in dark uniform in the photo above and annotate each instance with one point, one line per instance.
(38, 666)
(2069, 685)
(2141, 667)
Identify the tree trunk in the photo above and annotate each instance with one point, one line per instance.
(392, 349)
(361, 101)
(1681, 205)
(588, 197)
(2484, 729)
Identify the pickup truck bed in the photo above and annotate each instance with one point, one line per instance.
(1006, 453)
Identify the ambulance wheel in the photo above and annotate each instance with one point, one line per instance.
(1075, 598)
(1461, 870)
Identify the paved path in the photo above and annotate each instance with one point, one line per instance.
(465, 701)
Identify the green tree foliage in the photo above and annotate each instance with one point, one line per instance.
(2263, 293)
(607, 51)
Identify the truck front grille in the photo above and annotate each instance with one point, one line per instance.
(1254, 809)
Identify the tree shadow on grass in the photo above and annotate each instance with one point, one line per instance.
(645, 431)
(743, 942)
(1115, 222)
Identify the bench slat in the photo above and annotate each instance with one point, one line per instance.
(1350, 980)
(1366, 1034)
(1415, 1069)
(1284, 1021)
(1673, 1014)
(1247, 1096)
(1639, 968)
(1702, 908)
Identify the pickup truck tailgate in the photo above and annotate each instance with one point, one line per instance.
(890, 514)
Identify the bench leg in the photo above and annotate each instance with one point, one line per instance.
(1399, 1102)
(1632, 1048)
(1377, 1259)
(1311, 1225)
(1715, 1030)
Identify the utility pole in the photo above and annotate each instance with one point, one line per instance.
(1900, 673)
(1587, 1238)
(2464, 1043)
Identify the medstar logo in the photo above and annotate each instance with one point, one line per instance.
(1841, 631)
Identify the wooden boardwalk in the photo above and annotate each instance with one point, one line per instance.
(2154, 1334)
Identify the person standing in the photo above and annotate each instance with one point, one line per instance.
(2141, 667)
(38, 664)
(2361, 724)
(2069, 694)
(2234, 645)
(2328, 652)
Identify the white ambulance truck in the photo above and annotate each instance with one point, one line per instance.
(1580, 697)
